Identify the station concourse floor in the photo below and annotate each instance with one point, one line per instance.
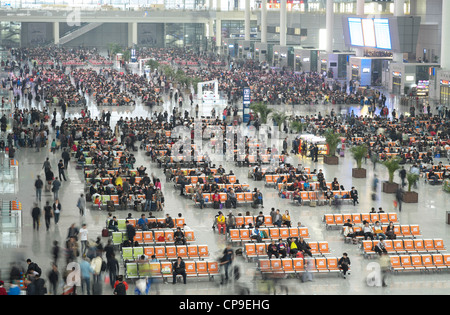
(429, 213)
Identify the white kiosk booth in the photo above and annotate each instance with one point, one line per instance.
(208, 98)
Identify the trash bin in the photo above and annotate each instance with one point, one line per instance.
(448, 217)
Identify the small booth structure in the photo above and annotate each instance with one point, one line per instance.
(368, 71)
(245, 50)
(283, 56)
(406, 78)
(230, 47)
(312, 139)
(306, 60)
(263, 52)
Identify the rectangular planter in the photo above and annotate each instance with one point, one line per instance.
(410, 197)
(390, 188)
(331, 160)
(359, 173)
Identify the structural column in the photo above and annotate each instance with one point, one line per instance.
(132, 34)
(218, 32)
(264, 21)
(399, 7)
(283, 28)
(330, 25)
(398, 11)
(247, 20)
(360, 12)
(445, 39)
(56, 33)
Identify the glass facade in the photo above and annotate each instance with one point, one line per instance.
(10, 34)
(185, 35)
(340, 6)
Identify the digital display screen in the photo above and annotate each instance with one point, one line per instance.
(356, 34)
(382, 34)
(369, 33)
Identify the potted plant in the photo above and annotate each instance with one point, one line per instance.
(297, 126)
(279, 118)
(411, 196)
(262, 110)
(359, 152)
(392, 165)
(332, 139)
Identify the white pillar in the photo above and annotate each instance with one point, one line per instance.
(218, 5)
(247, 20)
(398, 11)
(445, 39)
(132, 34)
(283, 28)
(264, 21)
(56, 33)
(360, 11)
(399, 7)
(218, 33)
(330, 25)
(360, 7)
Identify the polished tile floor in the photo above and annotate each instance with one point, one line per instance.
(429, 213)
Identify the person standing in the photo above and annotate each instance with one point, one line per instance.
(38, 184)
(48, 214)
(83, 233)
(56, 210)
(36, 214)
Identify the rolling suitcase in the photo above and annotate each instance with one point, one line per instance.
(110, 205)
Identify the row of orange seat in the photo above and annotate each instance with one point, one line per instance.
(189, 189)
(194, 179)
(405, 246)
(255, 250)
(156, 237)
(163, 269)
(420, 262)
(274, 233)
(332, 220)
(299, 265)
(243, 197)
(165, 252)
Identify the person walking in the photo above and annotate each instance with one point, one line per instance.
(53, 278)
(38, 184)
(226, 261)
(86, 271)
(81, 204)
(120, 287)
(36, 214)
(61, 170)
(113, 268)
(399, 198)
(48, 214)
(56, 185)
(66, 158)
(402, 174)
